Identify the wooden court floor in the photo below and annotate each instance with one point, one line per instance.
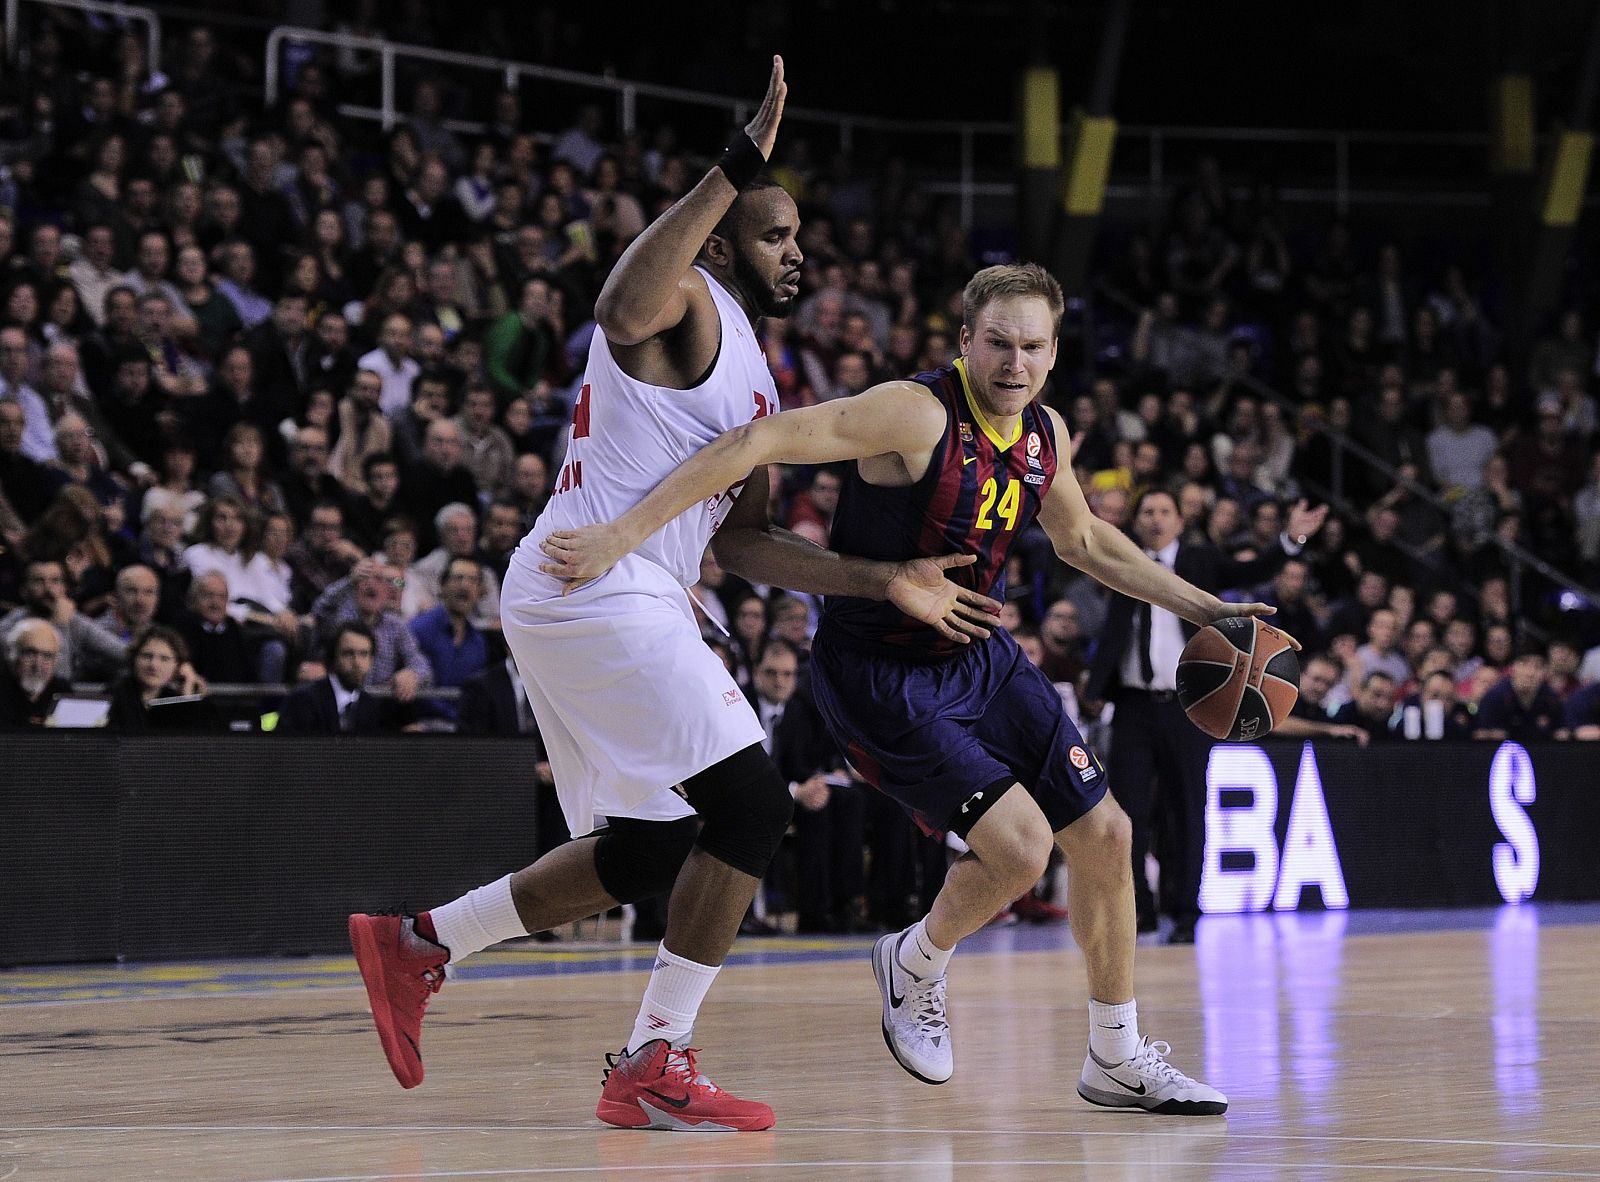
(1460, 1048)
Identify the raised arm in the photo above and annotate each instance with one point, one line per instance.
(647, 292)
(1104, 552)
(898, 417)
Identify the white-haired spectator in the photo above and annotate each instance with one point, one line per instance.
(29, 681)
(456, 526)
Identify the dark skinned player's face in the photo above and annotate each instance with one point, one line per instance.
(764, 258)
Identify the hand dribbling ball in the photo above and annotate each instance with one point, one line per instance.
(1238, 678)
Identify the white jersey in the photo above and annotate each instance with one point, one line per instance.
(628, 436)
(629, 699)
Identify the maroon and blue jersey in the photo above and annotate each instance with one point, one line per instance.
(979, 492)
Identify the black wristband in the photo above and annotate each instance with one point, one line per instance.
(741, 161)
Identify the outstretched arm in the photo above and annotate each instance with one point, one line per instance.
(644, 295)
(1104, 552)
(750, 545)
(896, 417)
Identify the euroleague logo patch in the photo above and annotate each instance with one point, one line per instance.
(1080, 760)
(1033, 444)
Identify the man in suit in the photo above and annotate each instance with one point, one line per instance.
(829, 822)
(337, 703)
(1155, 750)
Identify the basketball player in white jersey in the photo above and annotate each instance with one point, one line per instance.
(657, 757)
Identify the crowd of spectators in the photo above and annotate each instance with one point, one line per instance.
(280, 394)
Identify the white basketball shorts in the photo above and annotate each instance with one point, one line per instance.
(629, 703)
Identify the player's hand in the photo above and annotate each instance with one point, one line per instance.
(1226, 611)
(763, 129)
(920, 589)
(813, 794)
(580, 556)
(1304, 522)
(1340, 730)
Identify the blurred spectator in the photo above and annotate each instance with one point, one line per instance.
(370, 594)
(1564, 657)
(135, 605)
(488, 451)
(337, 704)
(1522, 707)
(363, 431)
(1439, 688)
(1319, 673)
(502, 532)
(322, 555)
(454, 647)
(456, 527)
(393, 364)
(87, 652)
(38, 444)
(1064, 649)
(437, 479)
(373, 501)
(30, 680)
(216, 641)
(518, 346)
(1458, 448)
(1583, 713)
(308, 480)
(244, 473)
(93, 273)
(155, 657)
(1372, 705)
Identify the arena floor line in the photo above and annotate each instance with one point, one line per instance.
(1362, 1045)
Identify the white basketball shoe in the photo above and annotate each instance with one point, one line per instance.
(1148, 1081)
(914, 1025)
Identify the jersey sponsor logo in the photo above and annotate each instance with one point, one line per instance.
(1033, 477)
(1033, 444)
(965, 460)
(729, 697)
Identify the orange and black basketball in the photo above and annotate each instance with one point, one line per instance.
(1238, 678)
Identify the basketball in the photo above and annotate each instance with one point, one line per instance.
(1238, 678)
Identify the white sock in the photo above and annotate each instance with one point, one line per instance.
(1113, 1030)
(478, 919)
(672, 1000)
(920, 956)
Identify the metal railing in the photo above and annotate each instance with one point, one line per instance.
(122, 12)
(981, 151)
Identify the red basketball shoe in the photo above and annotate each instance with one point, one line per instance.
(402, 972)
(1033, 909)
(659, 1087)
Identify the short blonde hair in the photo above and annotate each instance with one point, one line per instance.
(1011, 279)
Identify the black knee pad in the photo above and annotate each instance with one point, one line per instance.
(638, 859)
(746, 807)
